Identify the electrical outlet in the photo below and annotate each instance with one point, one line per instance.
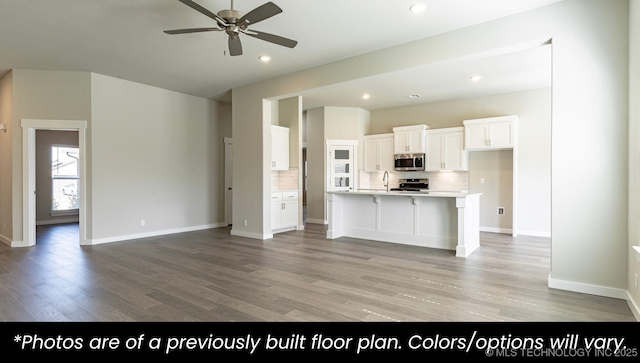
(636, 281)
(142, 222)
(246, 223)
(500, 211)
(481, 180)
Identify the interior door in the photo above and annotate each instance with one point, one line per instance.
(341, 168)
(228, 182)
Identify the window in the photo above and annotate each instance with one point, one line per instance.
(65, 176)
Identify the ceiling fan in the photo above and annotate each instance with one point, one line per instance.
(234, 22)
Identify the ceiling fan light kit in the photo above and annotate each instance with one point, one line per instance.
(234, 23)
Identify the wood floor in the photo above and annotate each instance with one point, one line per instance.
(297, 276)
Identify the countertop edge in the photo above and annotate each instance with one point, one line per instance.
(409, 194)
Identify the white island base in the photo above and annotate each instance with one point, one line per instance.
(440, 220)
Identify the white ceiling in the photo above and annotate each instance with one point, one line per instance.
(125, 39)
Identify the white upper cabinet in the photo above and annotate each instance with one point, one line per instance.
(279, 148)
(445, 150)
(409, 139)
(378, 153)
(491, 133)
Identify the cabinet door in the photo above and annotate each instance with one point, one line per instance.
(416, 140)
(385, 154)
(289, 216)
(434, 153)
(400, 142)
(371, 159)
(279, 148)
(501, 135)
(455, 157)
(341, 168)
(476, 136)
(276, 214)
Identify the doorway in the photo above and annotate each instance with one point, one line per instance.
(29, 128)
(228, 181)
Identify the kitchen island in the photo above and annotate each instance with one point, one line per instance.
(443, 220)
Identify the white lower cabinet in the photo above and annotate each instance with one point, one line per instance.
(284, 211)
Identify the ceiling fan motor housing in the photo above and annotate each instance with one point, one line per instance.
(230, 16)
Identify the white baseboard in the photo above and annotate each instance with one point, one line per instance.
(57, 221)
(235, 232)
(635, 309)
(588, 288)
(496, 230)
(154, 233)
(19, 244)
(5, 240)
(535, 233)
(316, 221)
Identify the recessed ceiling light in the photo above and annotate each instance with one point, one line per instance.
(415, 95)
(366, 96)
(418, 8)
(264, 58)
(475, 78)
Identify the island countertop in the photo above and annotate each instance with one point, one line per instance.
(429, 193)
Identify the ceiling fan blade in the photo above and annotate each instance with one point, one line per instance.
(276, 39)
(193, 30)
(260, 13)
(235, 46)
(204, 11)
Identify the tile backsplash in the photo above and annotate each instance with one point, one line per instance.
(284, 179)
(445, 180)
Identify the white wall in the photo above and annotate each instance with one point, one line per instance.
(590, 37)
(533, 107)
(157, 157)
(590, 148)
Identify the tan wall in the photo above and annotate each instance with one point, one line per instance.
(6, 157)
(634, 154)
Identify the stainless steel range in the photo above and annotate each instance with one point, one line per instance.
(413, 185)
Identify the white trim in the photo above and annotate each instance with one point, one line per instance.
(157, 233)
(57, 221)
(316, 221)
(19, 244)
(535, 233)
(496, 230)
(588, 288)
(5, 240)
(636, 249)
(635, 309)
(64, 212)
(235, 232)
(29, 127)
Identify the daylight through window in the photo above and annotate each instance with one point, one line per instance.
(65, 174)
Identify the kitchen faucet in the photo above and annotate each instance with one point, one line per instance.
(385, 180)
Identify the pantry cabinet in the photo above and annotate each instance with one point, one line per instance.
(378, 153)
(409, 139)
(491, 133)
(445, 150)
(284, 211)
(279, 148)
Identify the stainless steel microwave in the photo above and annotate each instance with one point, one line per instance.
(409, 162)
